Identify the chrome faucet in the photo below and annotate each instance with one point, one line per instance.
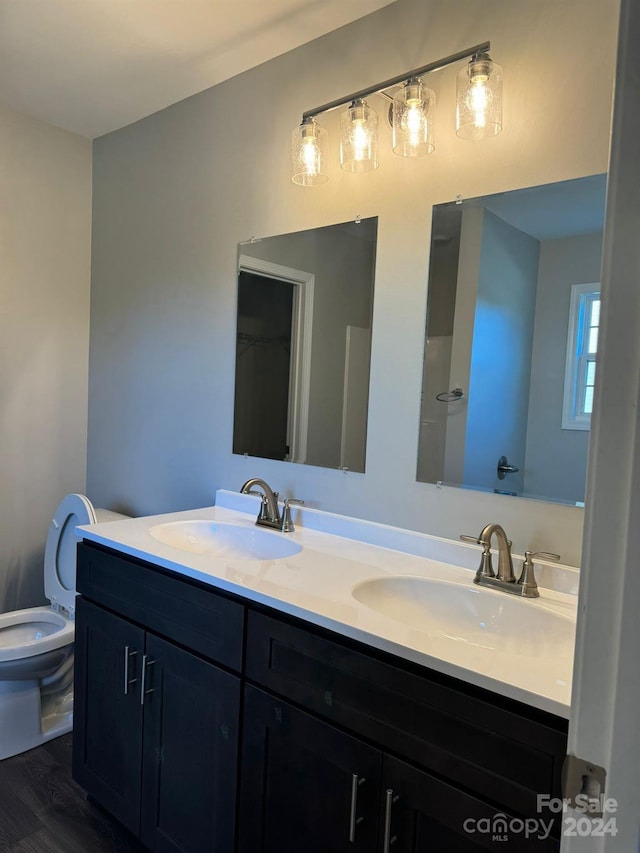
(505, 563)
(269, 515)
(505, 580)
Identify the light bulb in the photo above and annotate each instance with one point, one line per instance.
(479, 103)
(311, 155)
(359, 138)
(414, 124)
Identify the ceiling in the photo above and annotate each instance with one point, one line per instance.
(552, 211)
(548, 212)
(92, 66)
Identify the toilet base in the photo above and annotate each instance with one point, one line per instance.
(28, 718)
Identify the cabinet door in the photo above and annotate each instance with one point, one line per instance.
(107, 732)
(422, 814)
(433, 721)
(190, 752)
(306, 787)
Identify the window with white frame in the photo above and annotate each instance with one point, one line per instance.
(582, 347)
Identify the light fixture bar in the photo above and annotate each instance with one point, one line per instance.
(401, 78)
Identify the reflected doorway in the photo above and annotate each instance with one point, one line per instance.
(273, 354)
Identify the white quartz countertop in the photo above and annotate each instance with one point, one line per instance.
(511, 658)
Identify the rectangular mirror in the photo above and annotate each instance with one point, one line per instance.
(511, 340)
(305, 303)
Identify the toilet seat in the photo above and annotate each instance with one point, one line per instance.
(34, 631)
(60, 551)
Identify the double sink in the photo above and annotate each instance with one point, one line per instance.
(452, 612)
(409, 594)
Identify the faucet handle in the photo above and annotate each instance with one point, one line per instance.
(485, 569)
(544, 555)
(287, 525)
(527, 579)
(263, 514)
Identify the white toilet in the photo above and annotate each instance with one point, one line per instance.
(36, 645)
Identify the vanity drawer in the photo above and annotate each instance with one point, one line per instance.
(184, 611)
(463, 736)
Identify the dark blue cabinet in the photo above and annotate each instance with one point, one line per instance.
(155, 734)
(209, 724)
(421, 813)
(107, 724)
(189, 756)
(306, 786)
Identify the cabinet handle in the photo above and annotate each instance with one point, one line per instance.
(143, 678)
(388, 838)
(127, 681)
(353, 820)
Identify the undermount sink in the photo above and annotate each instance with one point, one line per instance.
(486, 619)
(231, 541)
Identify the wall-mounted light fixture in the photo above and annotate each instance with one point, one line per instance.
(479, 115)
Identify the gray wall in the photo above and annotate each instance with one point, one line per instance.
(462, 342)
(501, 358)
(446, 230)
(45, 233)
(175, 193)
(556, 457)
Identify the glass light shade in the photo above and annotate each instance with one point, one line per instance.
(413, 119)
(479, 99)
(359, 138)
(309, 154)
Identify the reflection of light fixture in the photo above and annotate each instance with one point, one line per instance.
(413, 113)
(479, 116)
(359, 138)
(479, 98)
(308, 153)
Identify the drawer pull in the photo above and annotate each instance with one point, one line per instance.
(127, 681)
(388, 838)
(353, 819)
(143, 678)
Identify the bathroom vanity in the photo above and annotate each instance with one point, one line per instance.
(232, 704)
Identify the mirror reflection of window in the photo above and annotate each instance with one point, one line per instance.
(501, 272)
(582, 349)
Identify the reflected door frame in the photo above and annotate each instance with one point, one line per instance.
(301, 336)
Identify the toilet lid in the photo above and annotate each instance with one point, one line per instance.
(60, 551)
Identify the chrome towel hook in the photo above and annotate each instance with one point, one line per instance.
(504, 467)
(450, 396)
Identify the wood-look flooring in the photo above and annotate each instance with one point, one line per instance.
(42, 810)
